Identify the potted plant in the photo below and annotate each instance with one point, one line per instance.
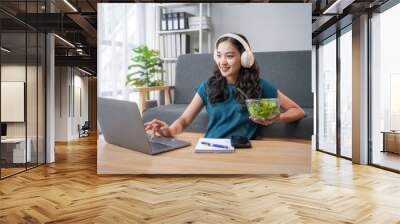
(147, 64)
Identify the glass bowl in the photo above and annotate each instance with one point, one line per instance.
(263, 108)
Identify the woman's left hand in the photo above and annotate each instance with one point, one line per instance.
(265, 121)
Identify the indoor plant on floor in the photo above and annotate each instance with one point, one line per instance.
(146, 64)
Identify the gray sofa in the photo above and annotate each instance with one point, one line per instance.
(290, 71)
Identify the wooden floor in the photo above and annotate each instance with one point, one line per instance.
(5, 172)
(386, 159)
(70, 191)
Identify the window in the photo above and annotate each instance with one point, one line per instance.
(346, 93)
(121, 28)
(22, 65)
(385, 84)
(327, 96)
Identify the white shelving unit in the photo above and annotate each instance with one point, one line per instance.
(169, 6)
(200, 9)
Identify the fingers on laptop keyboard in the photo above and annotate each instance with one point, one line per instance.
(155, 125)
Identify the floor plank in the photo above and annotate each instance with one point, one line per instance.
(70, 191)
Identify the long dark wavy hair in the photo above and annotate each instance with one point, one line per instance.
(248, 79)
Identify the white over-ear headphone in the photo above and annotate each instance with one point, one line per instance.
(247, 57)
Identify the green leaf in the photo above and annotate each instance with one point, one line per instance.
(138, 72)
(137, 50)
(136, 66)
(156, 70)
(146, 64)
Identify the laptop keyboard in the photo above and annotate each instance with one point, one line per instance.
(158, 147)
(163, 141)
(161, 144)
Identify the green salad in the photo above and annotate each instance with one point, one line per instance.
(263, 108)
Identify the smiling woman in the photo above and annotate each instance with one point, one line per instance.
(235, 68)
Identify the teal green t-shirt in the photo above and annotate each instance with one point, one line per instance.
(230, 117)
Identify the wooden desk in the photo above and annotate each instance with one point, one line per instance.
(265, 157)
(144, 90)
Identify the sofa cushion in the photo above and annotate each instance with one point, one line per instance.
(301, 129)
(191, 70)
(289, 71)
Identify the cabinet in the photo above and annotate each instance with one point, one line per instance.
(391, 141)
(173, 43)
(13, 150)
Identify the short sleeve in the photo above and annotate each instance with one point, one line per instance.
(202, 91)
(268, 89)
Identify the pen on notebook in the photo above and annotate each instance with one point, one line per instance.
(214, 145)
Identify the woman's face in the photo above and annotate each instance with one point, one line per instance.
(228, 60)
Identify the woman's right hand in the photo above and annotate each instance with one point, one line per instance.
(159, 127)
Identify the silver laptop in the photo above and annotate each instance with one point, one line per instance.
(122, 125)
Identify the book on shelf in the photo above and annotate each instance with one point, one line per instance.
(173, 45)
(195, 21)
(163, 22)
(166, 46)
(169, 22)
(184, 20)
(178, 45)
(175, 21)
(162, 47)
(196, 27)
(185, 44)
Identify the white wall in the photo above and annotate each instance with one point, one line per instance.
(67, 115)
(15, 72)
(62, 81)
(79, 117)
(267, 26)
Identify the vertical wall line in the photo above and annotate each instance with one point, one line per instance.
(60, 91)
(45, 90)
(26, 86)
(73, 91)
(317, 97)
(338, 98)
(37, 90)
(69, 91)
(369, 88)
